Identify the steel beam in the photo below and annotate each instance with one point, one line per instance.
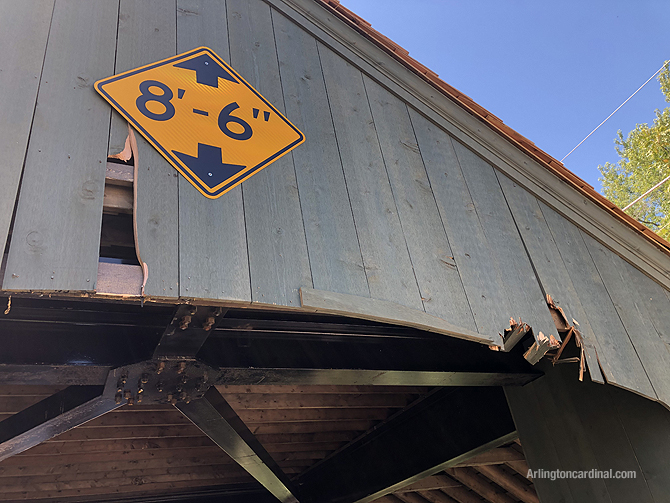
(216, 418)
(52, 416)
(187, 332)
(445, 428)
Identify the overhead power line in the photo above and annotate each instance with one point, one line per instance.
(617, 109)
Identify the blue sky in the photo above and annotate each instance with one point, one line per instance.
(550, 70)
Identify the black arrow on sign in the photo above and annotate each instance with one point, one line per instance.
(207, 166)
(207, 70)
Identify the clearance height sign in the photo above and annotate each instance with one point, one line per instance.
(205, 119)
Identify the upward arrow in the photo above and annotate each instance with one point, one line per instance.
(207, 70)
(207, 166)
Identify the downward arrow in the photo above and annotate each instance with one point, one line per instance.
(207, 70)
(207, 166)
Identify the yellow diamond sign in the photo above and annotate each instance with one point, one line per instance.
(205, 119)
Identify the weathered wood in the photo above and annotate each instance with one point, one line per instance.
(119, 174)
(433, 482)
(470, 478)
(409, 497)
(515, 487)
(213, 262)
(24, 26)
(57, 227)
(332, 242)
(632, 310)
(548, 264)
(616, 353)
(463, 494)
(493, 457)
(386, 312)
(385, 257)
(278, 259)
(117, 199)
(119, 279)
(474, 258)
(437, 497)
(432, 259)
(147, 33)
(526, 299)
(655, 301)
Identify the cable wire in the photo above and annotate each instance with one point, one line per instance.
(610, 115)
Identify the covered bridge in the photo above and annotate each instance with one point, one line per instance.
(415, 304)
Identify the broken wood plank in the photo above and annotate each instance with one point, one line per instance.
(386, 312)
(540, 348)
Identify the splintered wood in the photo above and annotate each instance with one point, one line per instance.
(562, 324)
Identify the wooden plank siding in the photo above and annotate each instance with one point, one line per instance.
(147, 33)
(277, 247)
(57, 227)
(213, 261)
(24, 27)
(380, 202)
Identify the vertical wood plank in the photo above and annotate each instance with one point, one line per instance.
(615, 349)
(147, 33)
(387, 263)
(631, 307)
(475, 260)
(527, 301)
(213, 261)
(278, 259)
(549, 265)
(436, 272)
(24, 28)
(57, 228)
(647, 426)
(332, 242)
(655, 301)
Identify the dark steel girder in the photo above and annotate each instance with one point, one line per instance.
(52, 416)
(441, 430)
(216, 418)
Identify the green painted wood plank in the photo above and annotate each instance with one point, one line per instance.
(615, 350)
(213, 261)
(387, 263)
(473, 256)
(278, 260)
(647, 426)
(632, 310)
(527, 301)
(432, 258)
(607, 435)
(147, 33)
(57, 228)
(332, 242)
(655, 301)
(549, 265)
(536, 435)
(24, 27)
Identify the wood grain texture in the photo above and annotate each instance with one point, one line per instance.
(24, 26)
(436, 273)
(655, 301)
(278, 260)
(334, 253)
(386, 312)
(474, 258)
(549, 265)
(526, 299)
(213, 262)
(631, 307)
(387, 263)
(615, 350)
(147, 33)
(57, 228)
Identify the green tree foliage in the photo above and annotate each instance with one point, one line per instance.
(645, 161)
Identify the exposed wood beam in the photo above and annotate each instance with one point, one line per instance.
(470, 478)
(434, 482)
(494, 457)
(463, 495)
(515, 487)
(216, 418)
(437, 497)
(411, 445)
(52, 416)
